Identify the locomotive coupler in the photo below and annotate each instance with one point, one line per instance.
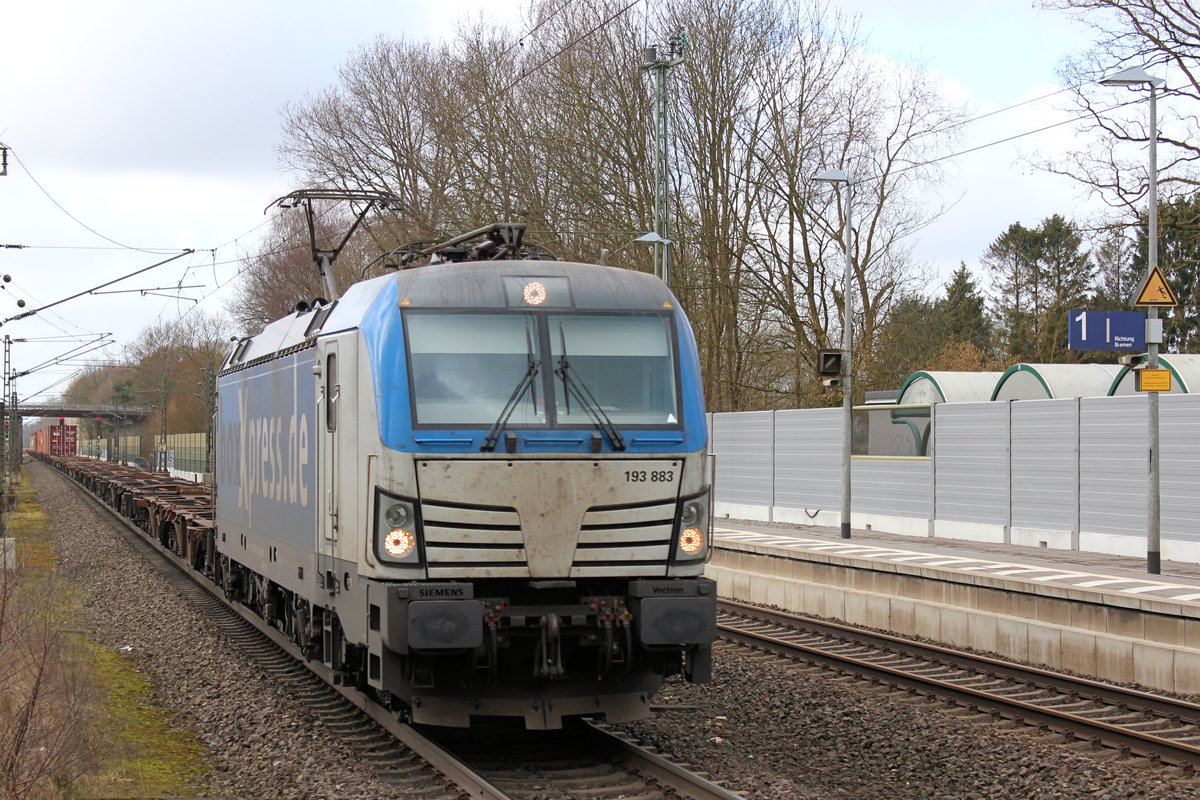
(548, 663)
(492, 620)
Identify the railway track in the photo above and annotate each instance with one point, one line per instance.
(1162, 729)
(492, 763)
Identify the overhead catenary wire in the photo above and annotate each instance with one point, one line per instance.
(70, 375)
(33, 311)
(74, 352)
(63, 209)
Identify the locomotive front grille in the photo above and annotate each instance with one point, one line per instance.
(636, 537)
(547, 519)
(462, 538)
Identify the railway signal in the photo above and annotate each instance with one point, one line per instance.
(829, 367)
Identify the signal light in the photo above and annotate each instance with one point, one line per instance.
(399, 543)
(829, 362)
(691, 541)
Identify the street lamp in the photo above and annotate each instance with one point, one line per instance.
(646, 238)
(836, 176)
(1136, 77)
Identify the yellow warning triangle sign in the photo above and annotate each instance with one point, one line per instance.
(1155, 291)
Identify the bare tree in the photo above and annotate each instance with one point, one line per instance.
(175, 364)
(776, 96)
(1164, 38)
(554, 129)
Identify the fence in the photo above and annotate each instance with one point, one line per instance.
(93, 448)
(127, 449)
(1069, 474)
(182, 453)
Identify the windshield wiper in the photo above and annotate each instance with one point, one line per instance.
(493, 434)
(573, 384)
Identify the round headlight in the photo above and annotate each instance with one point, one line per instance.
(397, 516)
(399, 543)
(534, 293)
(691, 541)
(691, 514)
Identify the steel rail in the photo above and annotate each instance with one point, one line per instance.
(1184, 716)
(680, 781)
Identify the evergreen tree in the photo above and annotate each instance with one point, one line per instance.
(906, 341)
(1178, 258)
(1064, 276)
(1038, 275)
(1010, 259)
(951, 332)
(962, 311)
(1116, 271)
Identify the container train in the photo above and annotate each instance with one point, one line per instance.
(475, 488)
(55, 440)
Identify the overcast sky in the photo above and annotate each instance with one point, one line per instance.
(153, 125)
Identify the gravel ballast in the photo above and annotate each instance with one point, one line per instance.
(762, 726)
(262, 743)
(775, 731)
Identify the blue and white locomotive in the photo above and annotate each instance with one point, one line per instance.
(476, 488)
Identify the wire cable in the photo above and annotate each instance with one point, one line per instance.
(33, 311)
(63, 209)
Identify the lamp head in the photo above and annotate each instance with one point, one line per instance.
(652, 238)
(1132, 76)
(833, 176)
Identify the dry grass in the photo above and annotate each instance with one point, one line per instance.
(130, 746)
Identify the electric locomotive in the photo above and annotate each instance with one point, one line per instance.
(477, 487)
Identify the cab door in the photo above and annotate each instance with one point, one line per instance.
(330, 402)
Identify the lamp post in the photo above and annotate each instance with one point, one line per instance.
(646, 238)
(836, 176)
(1134, 77)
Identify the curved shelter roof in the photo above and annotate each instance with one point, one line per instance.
(1049, 381)
(1185, 375)
(947, 387)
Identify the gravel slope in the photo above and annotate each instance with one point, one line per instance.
(775, 731)
(262, 744)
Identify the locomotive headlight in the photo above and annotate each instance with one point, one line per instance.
(398, 515)
(397, 530)
(691, 543)
(399, 543)
(534, 293)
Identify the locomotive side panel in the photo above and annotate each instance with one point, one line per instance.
(267, 488)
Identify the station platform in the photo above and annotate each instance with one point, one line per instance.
(1088, 613)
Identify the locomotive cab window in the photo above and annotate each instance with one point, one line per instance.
(625, 362)
(555, 368)
(465, 367)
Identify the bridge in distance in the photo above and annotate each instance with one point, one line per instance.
(108, 412)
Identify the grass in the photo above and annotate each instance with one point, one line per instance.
(155, 758)
(147, 753)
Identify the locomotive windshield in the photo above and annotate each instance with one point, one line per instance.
(626, 362)
(466, 367)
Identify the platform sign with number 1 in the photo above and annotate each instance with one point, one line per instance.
(1107, 330)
